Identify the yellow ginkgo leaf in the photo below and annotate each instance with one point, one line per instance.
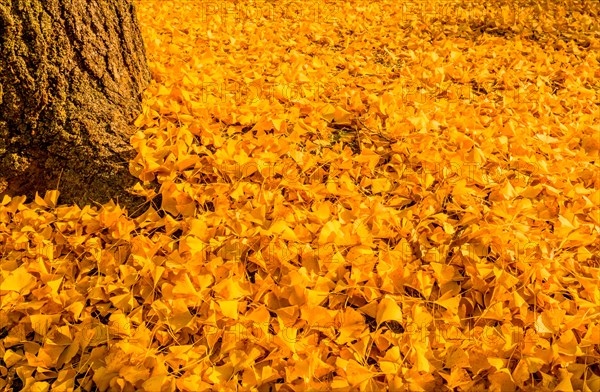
(388, 310)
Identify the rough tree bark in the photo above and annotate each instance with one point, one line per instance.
(71, 77)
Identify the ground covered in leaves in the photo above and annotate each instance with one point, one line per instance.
(342, 195)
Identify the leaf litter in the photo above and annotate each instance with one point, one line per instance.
(341, 196)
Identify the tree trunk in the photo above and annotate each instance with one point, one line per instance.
(71, 77)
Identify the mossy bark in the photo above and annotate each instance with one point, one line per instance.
(71, 77)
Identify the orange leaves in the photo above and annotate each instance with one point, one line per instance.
(336, 114)
(333, 233)
(18, 280)
(396, 211)
(388, 310)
